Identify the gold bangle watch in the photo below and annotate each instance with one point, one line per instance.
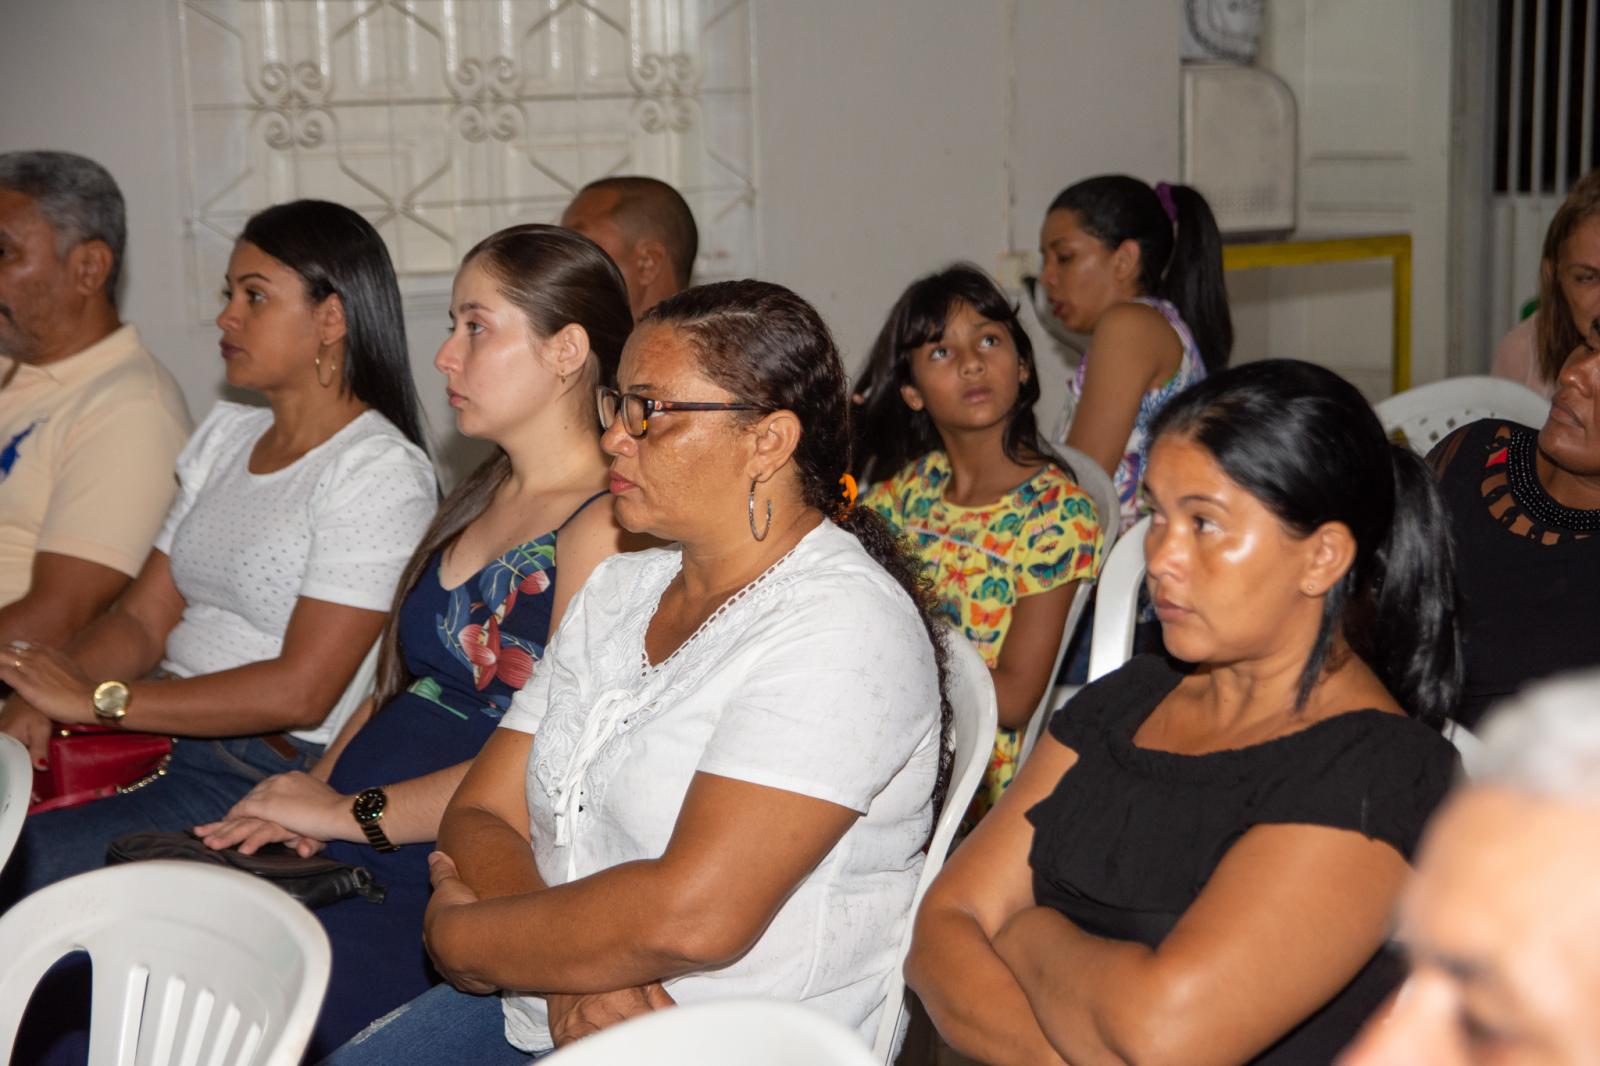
(368, 810)
(110, 700)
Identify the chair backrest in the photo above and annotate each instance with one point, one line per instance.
(1116, 606)
(192, 964)
(976, 715)
(359, 689)
(729, 1032)
(1429, 413)
(16, 781)
(1468, 746)
(1097, 483)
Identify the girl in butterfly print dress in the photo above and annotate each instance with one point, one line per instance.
(539, 317)
(1004, 533)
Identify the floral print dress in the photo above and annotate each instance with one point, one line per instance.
(1042, 534)
(1130, 472)
(469, 649)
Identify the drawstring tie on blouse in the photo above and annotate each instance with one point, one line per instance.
(603, 723)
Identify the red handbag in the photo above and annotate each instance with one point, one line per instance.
(88, 762)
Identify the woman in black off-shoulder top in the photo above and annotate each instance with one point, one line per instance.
(1199, 863)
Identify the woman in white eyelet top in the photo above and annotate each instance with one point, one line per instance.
(816, 679)
(721, 777)
(275, 569)
(336, 525)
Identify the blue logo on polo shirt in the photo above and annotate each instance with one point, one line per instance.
(8, 454)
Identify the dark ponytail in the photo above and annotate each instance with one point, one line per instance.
(769, 347)
(1303, 441)
(1194, 282)
(1180, 252)
(555, 277)
(1415, 646)
(886, 434)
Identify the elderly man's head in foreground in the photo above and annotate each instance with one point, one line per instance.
(1502, 919)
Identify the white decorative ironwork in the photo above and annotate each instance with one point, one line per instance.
(444, 120)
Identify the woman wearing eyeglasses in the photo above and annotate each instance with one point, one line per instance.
(538, 319)
(721, 778)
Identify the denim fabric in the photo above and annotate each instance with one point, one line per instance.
(204, 779)
(441, 1027)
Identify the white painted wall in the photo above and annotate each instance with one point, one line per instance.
(98, 77)
(1372, 79)
(894, 136)
(884, 147)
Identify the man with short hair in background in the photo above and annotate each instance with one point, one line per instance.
(645, 227)
(90, 423)
(1502, 918)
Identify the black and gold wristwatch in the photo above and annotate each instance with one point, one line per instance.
(368, 809)
(111, 699)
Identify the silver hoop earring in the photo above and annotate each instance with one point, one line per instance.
(766, 528)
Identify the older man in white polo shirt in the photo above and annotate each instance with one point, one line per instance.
(90, 423)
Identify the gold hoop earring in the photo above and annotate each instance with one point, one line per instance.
(329, 383)
(766, 528)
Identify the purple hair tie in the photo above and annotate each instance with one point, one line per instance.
(1164, 194)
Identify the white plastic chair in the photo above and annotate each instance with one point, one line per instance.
(730, 1032)
(1097, 483)
(358, 690)
(1116, 607)
(1429, 413)
(975, 713)
(16, 784)
(192, 964)
(1468, 746)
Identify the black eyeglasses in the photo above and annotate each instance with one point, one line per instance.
(636, 410)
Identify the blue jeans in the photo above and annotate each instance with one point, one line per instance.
(203, 780)
(441, 1026)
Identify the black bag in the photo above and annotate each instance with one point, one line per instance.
(315, 882)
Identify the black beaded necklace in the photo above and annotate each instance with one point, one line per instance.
(1523, 476)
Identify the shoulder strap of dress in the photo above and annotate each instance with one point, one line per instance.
(579, 510)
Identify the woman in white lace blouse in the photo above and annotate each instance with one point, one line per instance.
(732, 750)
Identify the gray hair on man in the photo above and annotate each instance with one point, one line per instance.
(77, 196)
(1546, 741)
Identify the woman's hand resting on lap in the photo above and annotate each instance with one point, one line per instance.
(449, 893)
(250, 835)
(296, 809)
(49, 681)
(21, 720)
(572, 1017)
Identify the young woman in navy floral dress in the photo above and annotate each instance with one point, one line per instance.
(538, 319)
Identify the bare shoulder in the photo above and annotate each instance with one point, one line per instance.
(1135, 342)
(1135, 323)
(593, 527)
(595, 531)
